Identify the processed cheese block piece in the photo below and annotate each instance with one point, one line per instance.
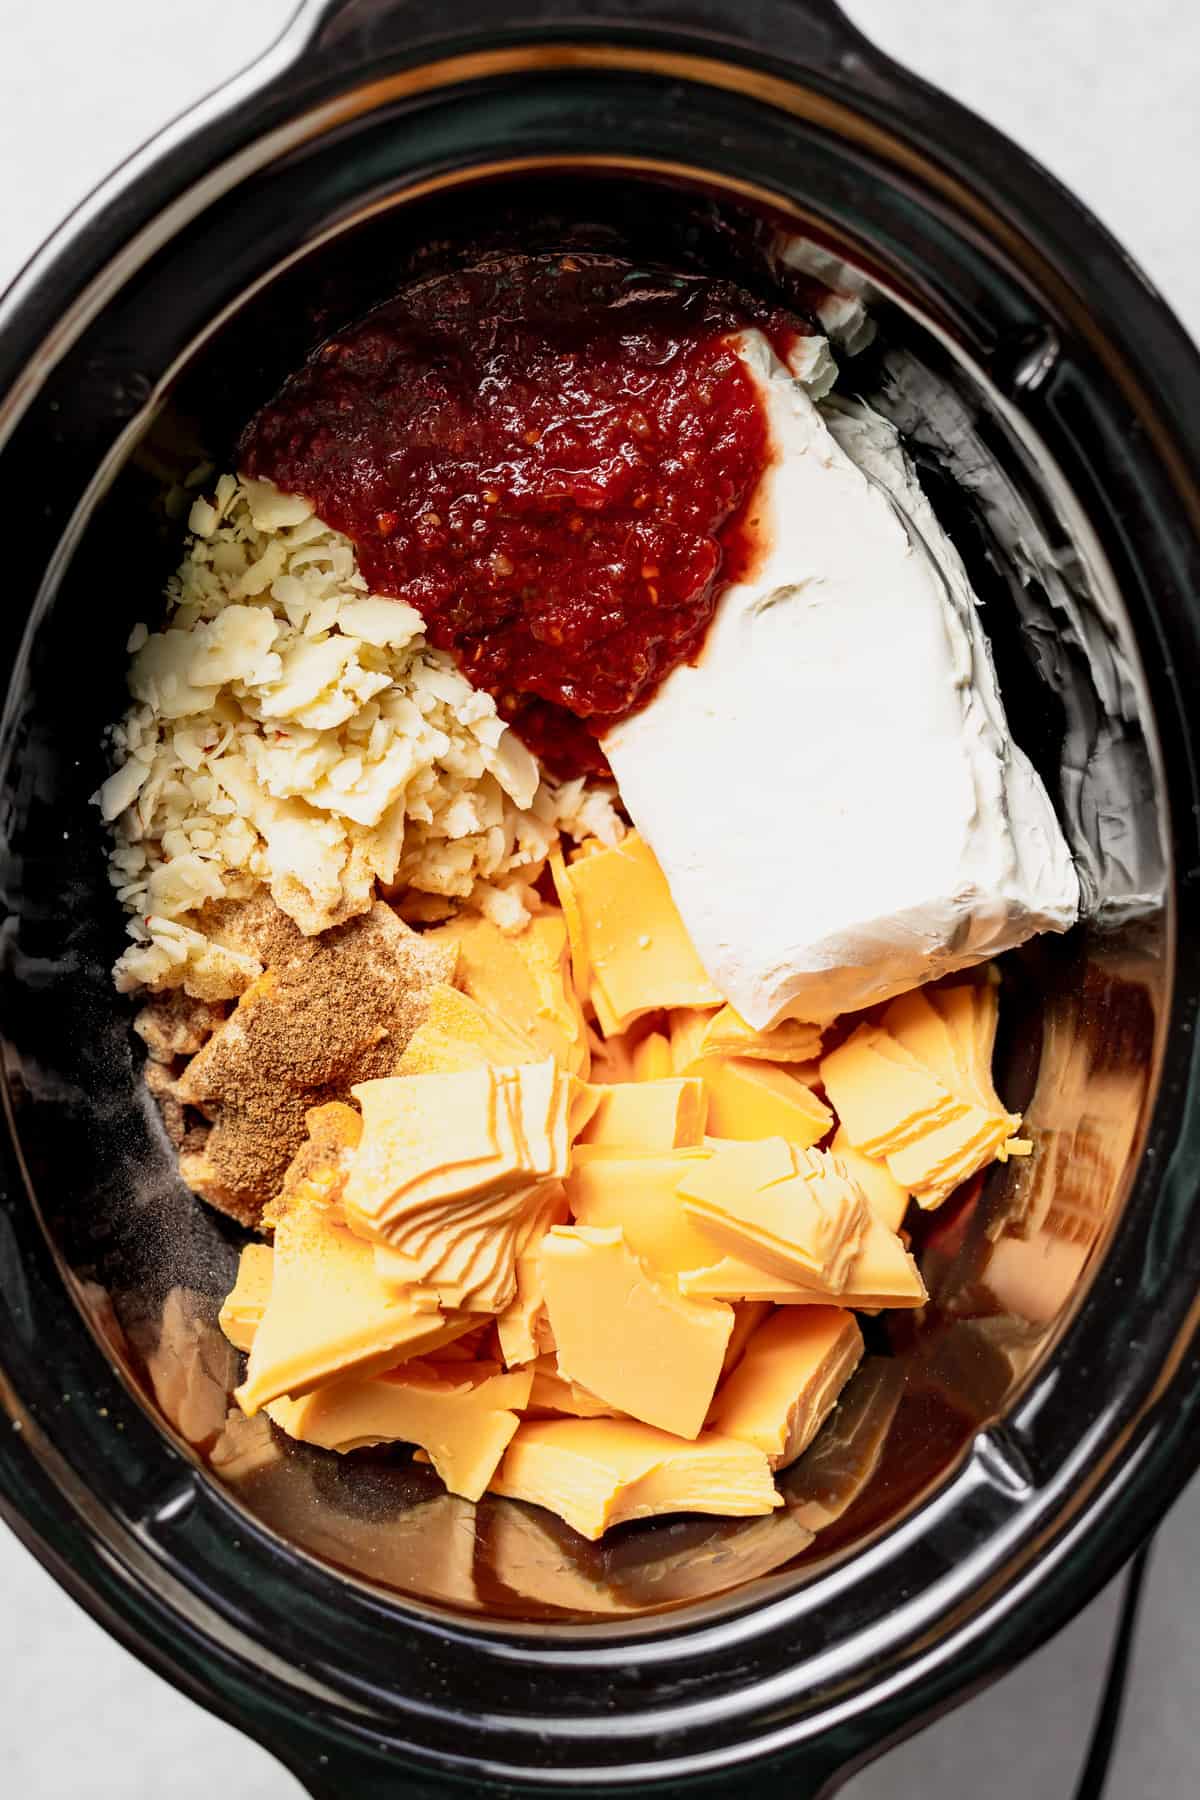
(805, 1225)
(595, 1473)
(638, 954)
(649, 1115)
(749, 1099)
(735, 1278)
(883, 1273)
(942, 1158)
(329, 1314)
(452, 1129)
(523, 978)
(788, 1380)
(651, 1059)
(463, 1416)
(459, 1033)
(523, 1326)
(319, 1169)
(241, 1314)
(726, 1033)
(748, 1315)
(971, 1012)
(882, 1095)
(628, 1336)
(581, 972)
(686, 1029)
(919, 1027)
(553, 1393)
(885, 1196)
(638, 1194)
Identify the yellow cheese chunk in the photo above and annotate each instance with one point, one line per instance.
(581, 973)
(755, 1100)
(241, 1315)
(523, 1326)
(553, 1393)
(458, 1034)
(686, 1029)
(942, 1158)
(523, 978)
(330, 1315)
(919, 1027)
(595, 1473)
(651, 1059)
(803, 1223)
(748, 1315)
(649, 1115)
(463, 1416)
(638, 955)
(628, 1336)
(883, 1273)
(885, 1196)
(726, 1033)
(971, 1010)
(638, 1194)
(883, 1097)
(788, 1380)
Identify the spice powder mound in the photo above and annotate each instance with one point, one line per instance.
(327, 1012)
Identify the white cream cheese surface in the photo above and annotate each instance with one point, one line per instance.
(832, 789)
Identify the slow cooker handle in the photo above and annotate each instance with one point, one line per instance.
(361, 33)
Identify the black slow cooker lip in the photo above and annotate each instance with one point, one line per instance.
(145, 1575)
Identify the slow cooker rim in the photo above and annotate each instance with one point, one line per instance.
(94, 1589)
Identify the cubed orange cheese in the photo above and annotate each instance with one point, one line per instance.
(330, 1315)
(651, 1058)
(748, 1315)
(755, 1100)
(648, 1115)
(638, 955)
(522, 1326)
(463, 1416)
(883, 1273)
(790, 1211)
(241, 1315)
(458, 1033)
(638, 1194)
(885, 1196)
(788, 1380)
(597, 1472)
(627, 1335)
(882, 1095)
(726, 1033)
(553, 1393)
(523, 978)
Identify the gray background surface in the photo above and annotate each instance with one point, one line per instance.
(1103, 91)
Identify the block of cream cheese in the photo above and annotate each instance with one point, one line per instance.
(788, 1380)
(597, 1472)
(628, 1335)
(843, 721)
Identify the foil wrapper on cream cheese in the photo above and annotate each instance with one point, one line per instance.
(832, 789)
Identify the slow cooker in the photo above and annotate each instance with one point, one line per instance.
(1000, 1454)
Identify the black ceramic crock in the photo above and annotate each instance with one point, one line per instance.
(1002, 1454)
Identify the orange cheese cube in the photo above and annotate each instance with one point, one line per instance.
(651, 1059)
(523, 1326)
(882, 1095)
(883, 1273)
(803, 1222)
(726, 1033)
(649, 1115)
(788, 1380)
(628, 1336)
(748, 1315)
(329, 1314)
(553, 1393)
(463, 1416)
(523, 978)
(597, 1472)
(638, 955)
(885, 1196)
(638, 1195)
(241, 1315)
(458, 1033)
(755, 1100)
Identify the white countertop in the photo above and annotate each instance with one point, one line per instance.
(1103, 92)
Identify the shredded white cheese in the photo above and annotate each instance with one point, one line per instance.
(293, 730)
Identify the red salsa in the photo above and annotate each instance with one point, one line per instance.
(549, 457)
